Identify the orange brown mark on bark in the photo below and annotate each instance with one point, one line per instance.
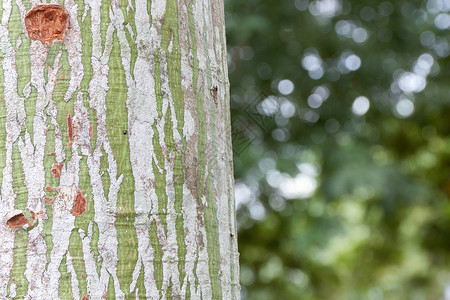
(50, 188)
(56, 170)
(47, 23)
(70, 129)
(91, 131)
(49, 199)
(79, 204)
(20, 219)
(85, 297)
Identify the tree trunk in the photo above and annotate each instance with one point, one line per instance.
(116, 154)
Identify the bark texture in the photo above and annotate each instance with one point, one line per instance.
(115, 152)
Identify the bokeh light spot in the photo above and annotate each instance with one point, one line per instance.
(360, 105)
(353, 62)
(286, 86)
(404, 108)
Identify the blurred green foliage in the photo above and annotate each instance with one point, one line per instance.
(341, 126)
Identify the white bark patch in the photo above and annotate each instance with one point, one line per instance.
(196, 249)
(189, 125)
(36, 259)
(13, 289)
(18, 42)
(94, 285)
(158, 9)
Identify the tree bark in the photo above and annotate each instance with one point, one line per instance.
(116, 159)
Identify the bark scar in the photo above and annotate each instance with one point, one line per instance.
(47, 23)
(70, 129)
(79, 204)
(20, 220)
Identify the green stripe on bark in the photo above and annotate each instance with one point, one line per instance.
(104, 19)
(62, 79)
(178, 185)
(76, 252)
(169, 291)
(173, 57)
(65, 285)
(86, 45)
(157, 256)
(188, 290)
(18, 180)
(140, 285)
(23, 53)
(94, 247)
(111, 294)
(213, 239)
(83, 220)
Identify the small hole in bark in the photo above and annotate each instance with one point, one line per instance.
(125, 132)
(46, 23)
